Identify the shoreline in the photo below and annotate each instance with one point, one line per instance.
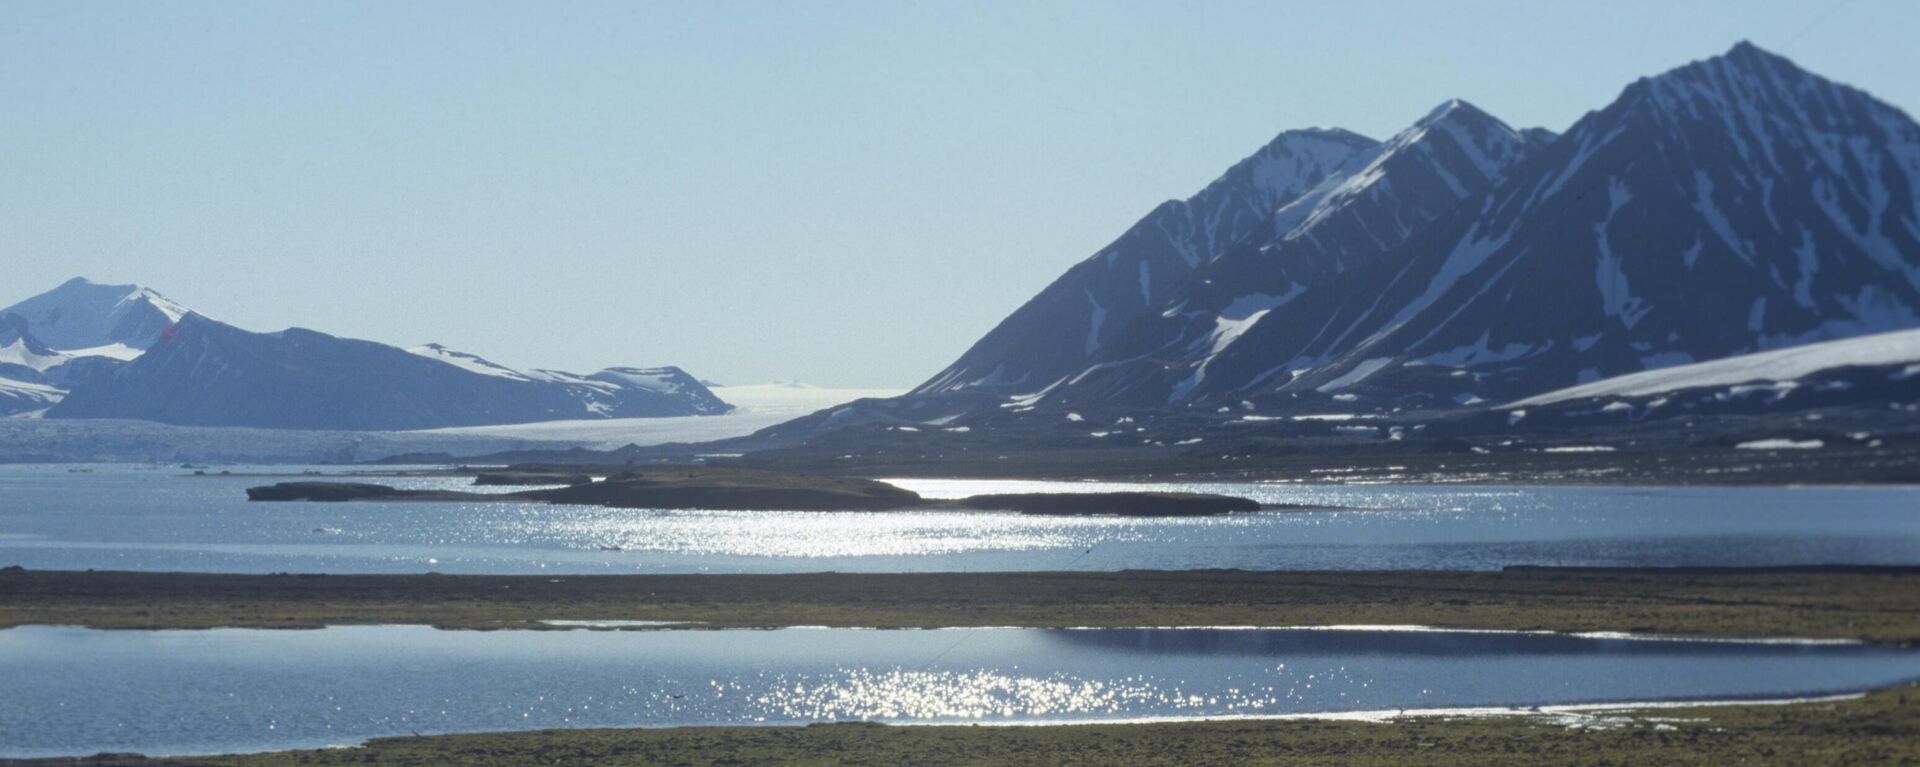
(1875, 726)
(1868, 604)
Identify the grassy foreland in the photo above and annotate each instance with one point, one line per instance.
(1882, 728)
(1871, 604)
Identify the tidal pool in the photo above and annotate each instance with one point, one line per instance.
(79, 691)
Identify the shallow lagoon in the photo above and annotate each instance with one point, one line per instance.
(130, 518)
(75, 691)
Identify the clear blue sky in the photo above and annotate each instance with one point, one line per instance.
(844, 194)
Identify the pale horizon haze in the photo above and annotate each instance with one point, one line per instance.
(846, 194)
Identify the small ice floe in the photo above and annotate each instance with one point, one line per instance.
(1782, 444)
(1579, 449)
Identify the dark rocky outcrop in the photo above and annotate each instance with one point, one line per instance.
(343, 491)
(511, 478)
(1121, 504)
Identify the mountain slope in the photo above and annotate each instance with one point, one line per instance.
(205, 373)
(1091, 305)
(1307, 253)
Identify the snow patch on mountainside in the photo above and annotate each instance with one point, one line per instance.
(23, 395)
(1900, 347)
(471, 363)
(660, 380)
(20, 353)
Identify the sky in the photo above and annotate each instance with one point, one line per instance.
(844, 194)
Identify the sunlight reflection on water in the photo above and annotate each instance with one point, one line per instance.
(121, 518)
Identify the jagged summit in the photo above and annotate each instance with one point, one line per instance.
(1095, 302)
(1727, 206)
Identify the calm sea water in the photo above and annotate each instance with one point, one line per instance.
(229, 690)
(132, 518)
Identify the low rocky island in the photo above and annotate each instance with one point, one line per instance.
(727, 489)
(334, 492)
(1132, 504)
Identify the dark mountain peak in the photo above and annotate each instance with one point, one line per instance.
(1098, 299)
(1294, 139)
(1751, 85)
(1289, 164)
(1481, 129)
(1748, 54)
(1454, 108)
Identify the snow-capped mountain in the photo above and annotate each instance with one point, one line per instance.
(125, 351)
(85, 315)
(1729, 206)
(1096, 301)
(1310, 255)
(206, 373)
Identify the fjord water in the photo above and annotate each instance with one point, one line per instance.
(157, 519)
(230, 690)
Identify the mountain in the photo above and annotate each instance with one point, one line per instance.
(80, 314)
(1729, 206)
(1094, 303)
(1732, 205)
(206, 373)
(87, 350)
(1310, 255)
